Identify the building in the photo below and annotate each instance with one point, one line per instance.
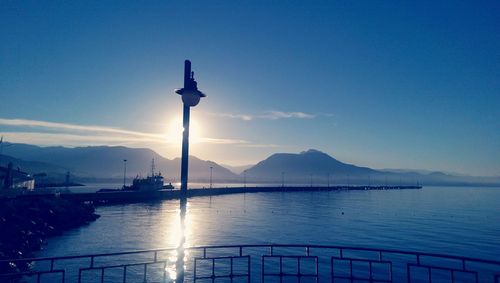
(15, 178)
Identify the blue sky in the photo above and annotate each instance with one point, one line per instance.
(377, 83)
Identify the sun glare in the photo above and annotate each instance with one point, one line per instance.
(175, 129)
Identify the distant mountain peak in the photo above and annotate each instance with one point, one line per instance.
(311, 150)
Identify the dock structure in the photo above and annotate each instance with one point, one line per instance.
(137, 196)
(118, 196)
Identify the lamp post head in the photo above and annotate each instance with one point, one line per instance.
(190, 93)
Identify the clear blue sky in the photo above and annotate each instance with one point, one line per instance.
(377, 83)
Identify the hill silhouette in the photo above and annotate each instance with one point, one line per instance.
(300, 166)
(105, 163)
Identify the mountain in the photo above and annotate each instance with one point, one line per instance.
(32, 167)
(300, 167)
(199, 170)
(313, 166)
(106, 162)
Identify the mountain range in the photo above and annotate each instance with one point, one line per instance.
(106, 163)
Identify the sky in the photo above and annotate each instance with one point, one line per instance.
(403, 84)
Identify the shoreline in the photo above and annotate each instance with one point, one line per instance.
(27, 224)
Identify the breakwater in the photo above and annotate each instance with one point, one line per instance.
(137, 196)
(26, 223)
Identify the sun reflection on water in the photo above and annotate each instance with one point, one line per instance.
(179, 234)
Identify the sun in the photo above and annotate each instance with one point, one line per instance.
(175, 129)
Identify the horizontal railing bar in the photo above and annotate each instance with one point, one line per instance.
(86, 256)
(362, 279)
(290, 256)
(31, 273)
(292, 275)
(442, 268)
(122, 265)
(360, 259)
(221, 276)
(220, 257)
(344, 248)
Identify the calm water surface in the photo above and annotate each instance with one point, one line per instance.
(458, 221)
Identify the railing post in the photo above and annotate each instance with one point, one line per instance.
(350, 268)
(231, 273)
(249, 270)
(281, 269)
(263, 271)
(194, 272)
(317, 268)
(371, 272)
(298, 266)
(408, 276)
(213, 269)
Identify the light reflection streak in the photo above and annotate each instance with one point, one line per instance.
(179, 256)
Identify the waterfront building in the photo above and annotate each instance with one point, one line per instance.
(15, 178)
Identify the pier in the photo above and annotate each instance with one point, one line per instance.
(137, 196)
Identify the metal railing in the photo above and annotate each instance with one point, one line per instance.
(259, 263)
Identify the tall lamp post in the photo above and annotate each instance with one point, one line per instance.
(211, 168)
(124, 171)
(190, 98)
(244, 178)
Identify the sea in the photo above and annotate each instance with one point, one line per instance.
(461, 221)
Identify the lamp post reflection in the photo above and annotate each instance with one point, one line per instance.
(179, 236)
(180, 264)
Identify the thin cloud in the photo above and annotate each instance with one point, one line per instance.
(272, 115)
(234, 116)
(223, 141)
(72, 127)
(81, 135)
(54, 139)
(256, 145)
(92, 139)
